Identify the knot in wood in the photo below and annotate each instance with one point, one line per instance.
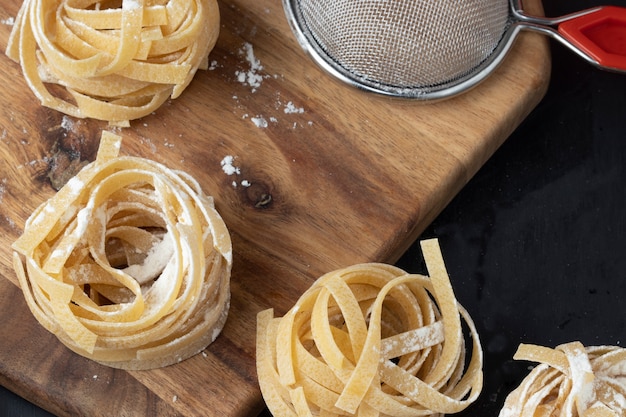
(259, 195)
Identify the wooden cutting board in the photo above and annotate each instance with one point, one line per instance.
(328, 176)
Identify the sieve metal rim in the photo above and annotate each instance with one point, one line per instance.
(439, 91)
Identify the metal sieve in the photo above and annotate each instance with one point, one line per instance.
(432, 49)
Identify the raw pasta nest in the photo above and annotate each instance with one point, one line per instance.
(128, 264)
(113, 60)
(570, 381)
(371, 340)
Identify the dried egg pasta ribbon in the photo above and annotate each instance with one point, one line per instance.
(73, 44)
(355, 341)
(128, 264)
(572, 380)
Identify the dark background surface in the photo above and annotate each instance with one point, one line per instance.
(535, 244)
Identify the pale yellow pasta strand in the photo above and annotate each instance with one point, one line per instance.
(161, 44)
(164, 320)
(579, 381)
(312, 354)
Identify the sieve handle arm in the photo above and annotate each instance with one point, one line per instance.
(601, 34)
(597, 34)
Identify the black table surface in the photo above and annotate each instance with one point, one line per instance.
(535, 244)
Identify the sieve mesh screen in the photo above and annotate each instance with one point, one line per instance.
(404, 43)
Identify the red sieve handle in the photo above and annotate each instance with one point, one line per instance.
(601, 34)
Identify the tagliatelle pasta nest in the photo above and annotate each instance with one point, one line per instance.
(128, 264)
(570, 381)
(113, 60)
(371, 340)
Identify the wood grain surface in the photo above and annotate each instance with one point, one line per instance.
(335, 177)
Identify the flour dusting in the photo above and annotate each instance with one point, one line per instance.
(253, 77)
(228, 167)
(259, 121)
(291, 108)
(250, 77)
(3, 189)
